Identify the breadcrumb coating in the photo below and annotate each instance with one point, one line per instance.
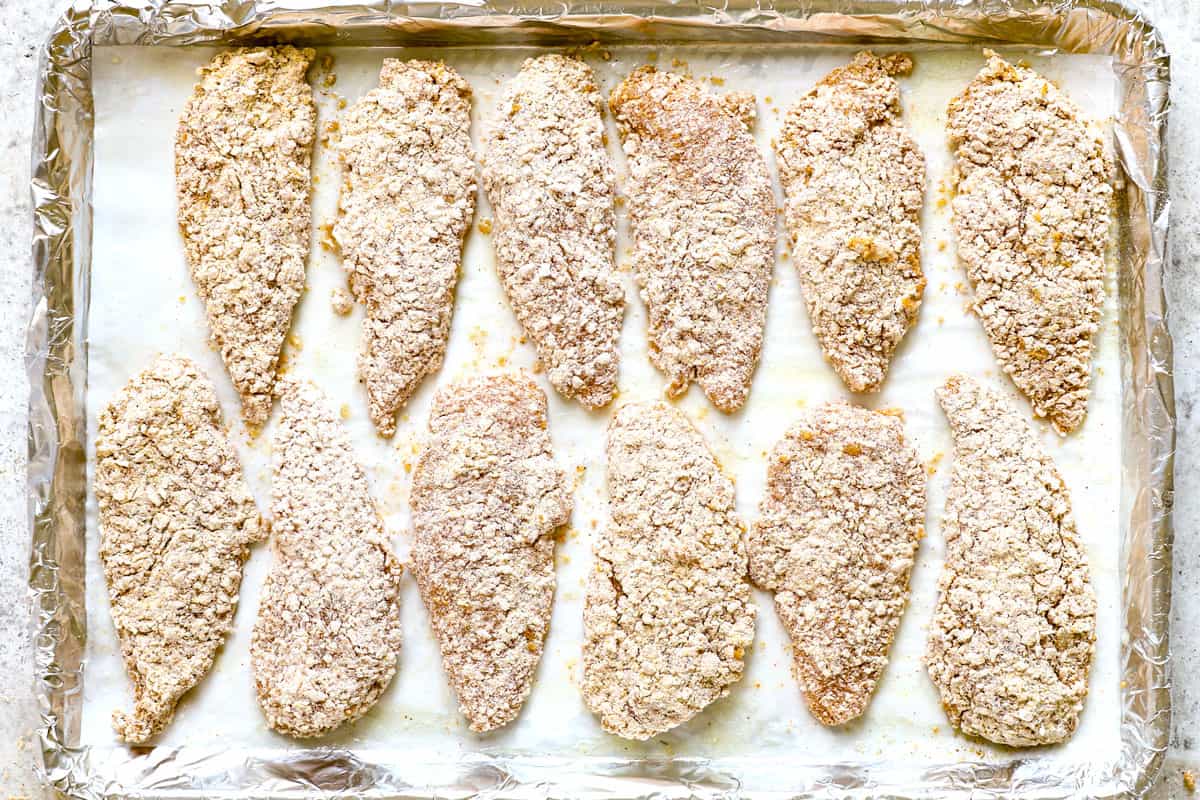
(486, 499)
(407, 200)
(1014, 629)
(243, 151)
(176, 524)
(854, 183)
(668, 616)
(841, 521)
(703, 217)
(341, 301)
(550, 184)
(1032, 215)
(327, 635)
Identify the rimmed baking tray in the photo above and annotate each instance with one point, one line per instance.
(58, 367)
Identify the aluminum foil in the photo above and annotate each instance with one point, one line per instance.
(57, 361)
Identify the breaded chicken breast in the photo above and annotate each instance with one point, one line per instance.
(840, 525)
(1032, 215)
(243, 151)
(1011, 641)
(487, 497)
(668, 615)
(327, 635)
(854, 182)
(176, 524)
(407, 198)
(703, 217)
(550, 184)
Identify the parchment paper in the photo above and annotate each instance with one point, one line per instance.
(143, 302)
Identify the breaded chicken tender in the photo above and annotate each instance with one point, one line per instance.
(668, 616)
(550, 184)
(840, 525)
(703, 217)
(1014, 629)
(243, 151)
(1032, 215)
(407, 198)
(176, 524)
(486, 499)
(327, 635)
(854, 182)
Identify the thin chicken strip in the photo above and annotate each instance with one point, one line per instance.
(327, 636)
(668, 616)
(840, 525)
(242, 169)
(176, 524)
(1013, 632)
(406, 203)
(854, 182)
(703, 217)
(550, 184)
(1032, 217)
(486, 499)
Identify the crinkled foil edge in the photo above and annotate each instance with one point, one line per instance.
(56, 360)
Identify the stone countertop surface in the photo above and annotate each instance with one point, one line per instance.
(25, 23)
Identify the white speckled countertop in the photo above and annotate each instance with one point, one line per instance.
(23, 25)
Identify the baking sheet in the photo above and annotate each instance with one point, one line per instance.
(143, 302)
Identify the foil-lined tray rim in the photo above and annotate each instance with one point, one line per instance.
(56, 355)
